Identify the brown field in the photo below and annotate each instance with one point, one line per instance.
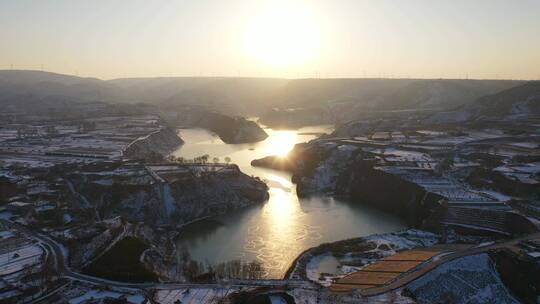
(383, 271)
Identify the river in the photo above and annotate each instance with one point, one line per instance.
(273, 233)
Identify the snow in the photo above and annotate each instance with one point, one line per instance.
(95, 294)
(104, 182)
(136, 299)
(404, 240)
(82, 296)
(530, 145)
(5, 215)
(310, 296)
(20, 258)
(193, 295)
(470, 279)
(325, 175)
(534, 254)
(6, 234)
(320, 264)
(275, 299)
(497, 195)
(325, 267)
(67, 218)
(168, 200)
(484, 244)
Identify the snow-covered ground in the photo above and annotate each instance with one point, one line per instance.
(5, 215)
(81, 294)
(471, 279)
(325, 267)
(323, 264)
(402, 240)
(198, 295)
(102, 294)
(323, 296)
(19, 257)
(276, 299)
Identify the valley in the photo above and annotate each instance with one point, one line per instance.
(356, 200)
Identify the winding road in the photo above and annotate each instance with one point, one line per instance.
(434, 262)
(65, 271)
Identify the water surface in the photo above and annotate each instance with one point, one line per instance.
(273, 233)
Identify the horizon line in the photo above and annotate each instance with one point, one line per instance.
(271, 77)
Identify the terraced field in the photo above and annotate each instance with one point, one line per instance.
(383, 271)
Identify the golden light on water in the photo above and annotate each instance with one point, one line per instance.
(283, 182)
(280, 143)
(281, 208)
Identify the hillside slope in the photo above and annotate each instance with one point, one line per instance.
(520, 102)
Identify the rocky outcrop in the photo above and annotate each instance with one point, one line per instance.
(519, 273)
(212, 194)
(160, 142)
(87, 242)
(168, 194)
(341, 170)
(232, 130)
(242, 131)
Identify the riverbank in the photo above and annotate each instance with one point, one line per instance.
(274, 233)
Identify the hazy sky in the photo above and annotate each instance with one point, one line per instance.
(315, 38)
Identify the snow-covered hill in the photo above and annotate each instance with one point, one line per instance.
(516, 103)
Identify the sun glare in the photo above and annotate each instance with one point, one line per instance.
(284, 34)
(281, 143)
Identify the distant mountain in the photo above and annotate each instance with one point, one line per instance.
(520, 102)
(303, 93)
(441, 94)
(308, 101)
(14, 84)
(29, 77)
(320, 100)
(231, 95)
(244, 96)
(386, 94)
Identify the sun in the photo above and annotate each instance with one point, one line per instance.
(281, 143)
(283, 34)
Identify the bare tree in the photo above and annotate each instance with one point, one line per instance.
(204, 158)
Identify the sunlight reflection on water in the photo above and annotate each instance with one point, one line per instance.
(276, 232)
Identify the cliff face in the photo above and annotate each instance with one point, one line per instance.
(328, 175)
(393, 194)
(159, 142)
(167, 194)
(215, 193)
(85, 243)
(343, 170)
(519, 273)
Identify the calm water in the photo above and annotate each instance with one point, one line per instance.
(275, 232)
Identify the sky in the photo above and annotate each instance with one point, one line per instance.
(496, 39)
